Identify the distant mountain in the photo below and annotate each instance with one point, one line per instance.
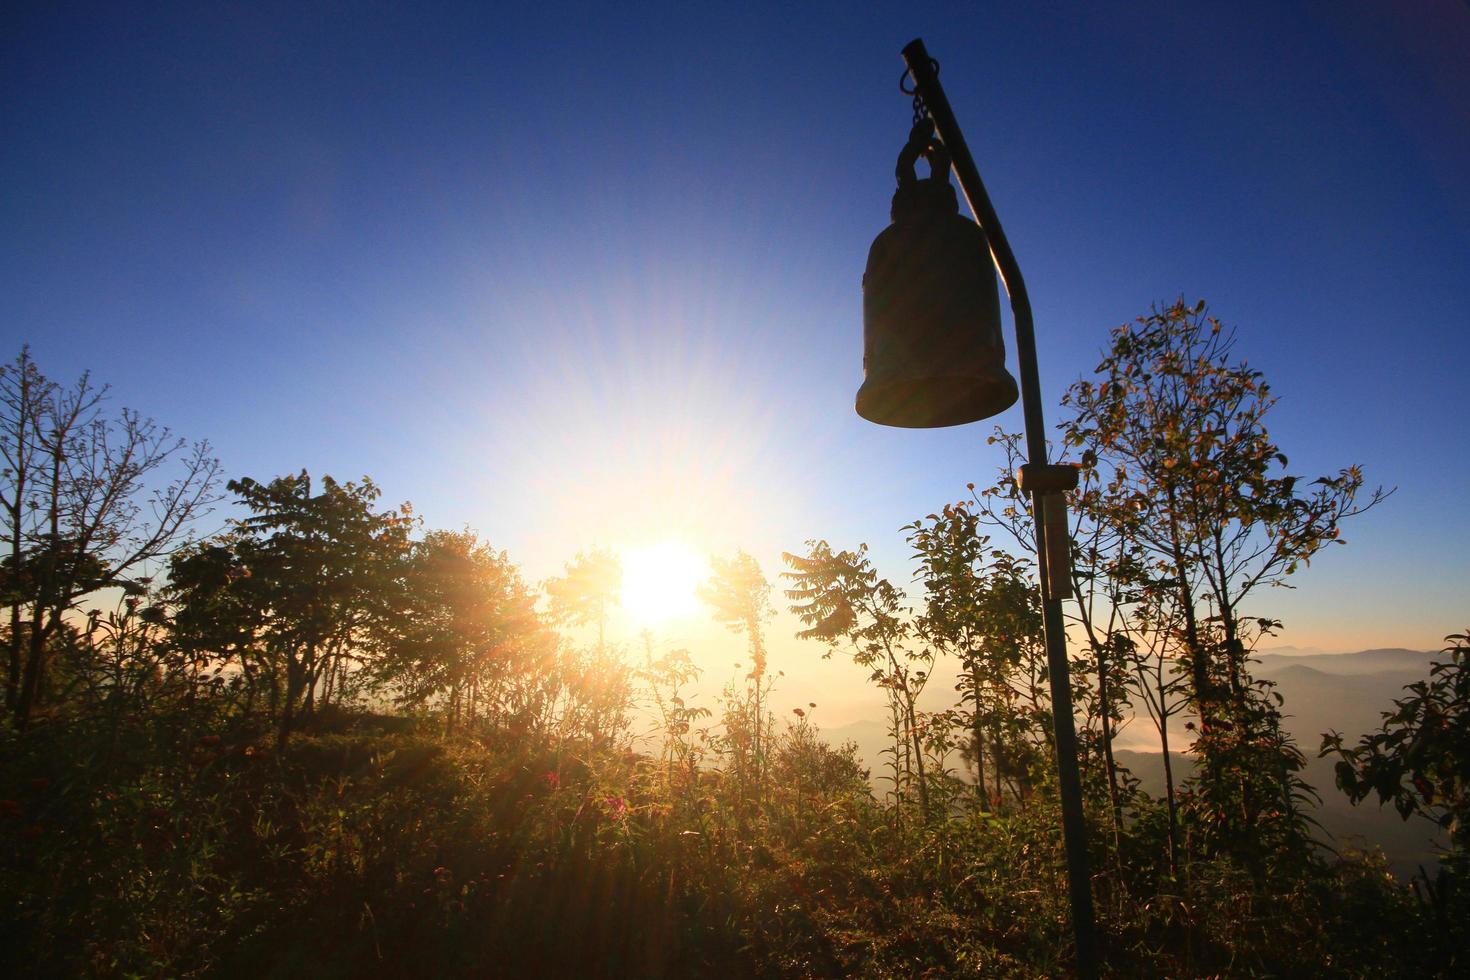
(1388, 660)
(870, 737)
(1349, 693)
(1288, 650)
(1343, 692)
(1317, 701)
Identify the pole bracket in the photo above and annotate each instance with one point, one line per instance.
(1048, 482)
(1047, 477)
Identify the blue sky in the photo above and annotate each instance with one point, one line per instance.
(577, 274)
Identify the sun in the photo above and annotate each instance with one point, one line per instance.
(659, 582)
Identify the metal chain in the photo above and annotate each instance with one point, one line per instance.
(921, 112)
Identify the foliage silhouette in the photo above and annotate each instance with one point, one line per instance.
(334, 742)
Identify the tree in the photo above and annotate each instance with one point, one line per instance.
(463, 622)
(981, 606)
(588, 590)
(843, 601)
(1125, 618)
(1419, 759)
(84, 506)
(297, 586)
(1188, 473)
(739, 597)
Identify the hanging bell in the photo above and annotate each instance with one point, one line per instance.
(932, 348)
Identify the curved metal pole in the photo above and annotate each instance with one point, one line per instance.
(1074, 830)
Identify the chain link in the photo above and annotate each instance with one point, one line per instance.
(921, 111)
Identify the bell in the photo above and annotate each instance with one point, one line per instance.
(932, 348)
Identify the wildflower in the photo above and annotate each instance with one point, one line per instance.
(551, 779)
(799, 712)
(209, 740)
(40, 784)
(615, 807)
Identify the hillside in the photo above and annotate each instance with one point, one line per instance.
(1345, 692)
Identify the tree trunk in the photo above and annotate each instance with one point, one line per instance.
(32, 675)
(1169, 790)
(913, 725)
(977, 737)
(308, 682)
(12, 678)
(288, 703)
(1107, 733)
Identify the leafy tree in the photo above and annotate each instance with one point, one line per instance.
(84, 506)
(297, 586)
(464, 621)
(739, 597)
(1128, 621)
(841, 599)
(588, 590)
(1420, 758)
(1190, 474)
(219, 619)
(981, 606)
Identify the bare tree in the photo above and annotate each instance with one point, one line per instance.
(85, 506)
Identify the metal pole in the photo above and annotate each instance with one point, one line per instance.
(1074, 831)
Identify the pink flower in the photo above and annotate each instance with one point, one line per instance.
(552, 780)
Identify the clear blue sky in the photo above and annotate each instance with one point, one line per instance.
(571, 274)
